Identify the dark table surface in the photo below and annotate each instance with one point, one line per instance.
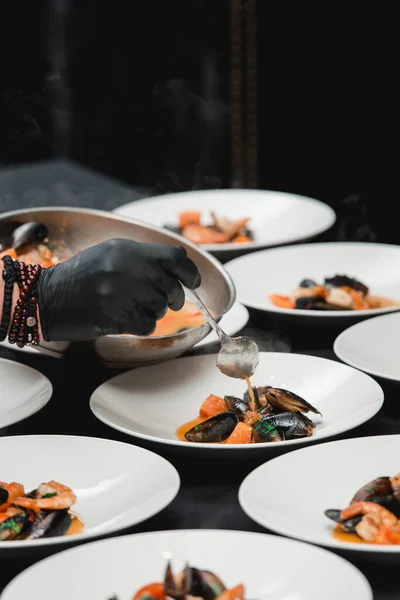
(208, 497)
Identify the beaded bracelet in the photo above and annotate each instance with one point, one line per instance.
(24, 327)
(9, 277)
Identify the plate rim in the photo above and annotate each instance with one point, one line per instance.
(331, 542)
(182, 533)
(32, 409)
(331, 216)
(377, 404)
(350, 363)
(295, 312)
(83, 537)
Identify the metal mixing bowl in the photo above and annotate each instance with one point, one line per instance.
(81, 228)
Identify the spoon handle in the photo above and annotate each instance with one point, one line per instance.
(202, 307)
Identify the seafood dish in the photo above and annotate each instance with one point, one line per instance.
(221, 231)
(373, 515)
(339, 292)
(41, 513)
(264, 414)
(188, 584)
(30, 243)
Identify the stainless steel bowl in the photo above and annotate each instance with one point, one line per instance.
(81, 228)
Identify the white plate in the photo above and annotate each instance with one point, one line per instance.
(152, 402)
(279, 271)
(232, 322)
(117, 485)
(318, 478)
(275, 217)
(279, 568)
(23, 392)
(373, 346)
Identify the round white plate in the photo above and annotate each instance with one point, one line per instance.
(279, 271)
(275, 217)
(232, 322)
(117, 485)
(120, 566)
(318, 478)
(23, 392)
(152, 402)
(373, 346)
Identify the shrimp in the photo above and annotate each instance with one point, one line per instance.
(50, 496)
(376, 520)
(9, 491)
(199, 234)
(230, 228)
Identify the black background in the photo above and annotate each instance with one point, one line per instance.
(140, 91)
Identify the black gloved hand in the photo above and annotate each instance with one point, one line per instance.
(118, 286)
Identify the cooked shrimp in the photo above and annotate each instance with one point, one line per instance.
(379, 302)
(9, 491)
(199, 234)
(230, 228)
(50, 496)
(376, 517)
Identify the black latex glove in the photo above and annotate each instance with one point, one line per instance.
(118, 286)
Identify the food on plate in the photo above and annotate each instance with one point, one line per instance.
(41, 513)
(266, 414)
(30, 243)
(190, 583)
(336, 293)
(373, 515)
(221, 231)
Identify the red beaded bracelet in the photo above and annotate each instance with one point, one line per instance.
(24, 325)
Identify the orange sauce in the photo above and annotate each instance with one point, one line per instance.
(251, 393)
(182, 429)
(76, 526)
(343, 536)
(188, 317)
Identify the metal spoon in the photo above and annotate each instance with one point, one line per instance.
(238, 356)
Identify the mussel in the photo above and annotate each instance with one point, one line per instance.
(214, 429)
(289, 401)
(237, 405)
(264, 431)
(192, 582)
(16, 235)
(259, 395)
(345, 281)
(14, 525)
(373, 490)
(316, 303)
(289, 425)
(349, 525)
(308, 283)
(3, 495)
(50, 523)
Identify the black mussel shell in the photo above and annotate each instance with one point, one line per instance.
(289, 425)
(214, 429)
(380, 486)
(308, 283)
(28, 233)
(345, 281)
(237, 405)
(212, 585)
(264, 431)
(309, 302)
(289, 401)
(349, 525)
(3, 495)
(12, 527)
(52, 523)
(259, 395)
(6, 231)
(329, 306)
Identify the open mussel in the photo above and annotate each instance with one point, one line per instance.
(237, 405)
(12, 523)
(288, 425)
(16, 235)
(259, 395)
(289, 401)
(51, 523)
(317, 303)
(214, 429)
(192, 582)
(349, 525)
(345, 281)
